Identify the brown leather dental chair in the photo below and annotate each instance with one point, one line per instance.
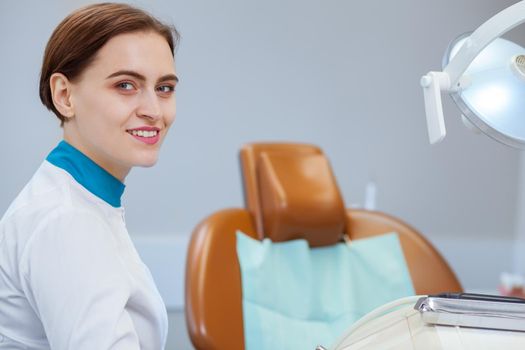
(290, 193)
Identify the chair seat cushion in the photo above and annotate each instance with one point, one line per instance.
(297, 297)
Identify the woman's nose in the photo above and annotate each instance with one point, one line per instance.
(149, 106)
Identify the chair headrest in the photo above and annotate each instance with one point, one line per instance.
(297, 195)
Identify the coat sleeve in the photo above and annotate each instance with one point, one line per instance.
(77, 283)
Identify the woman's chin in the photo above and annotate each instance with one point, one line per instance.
(146, 162)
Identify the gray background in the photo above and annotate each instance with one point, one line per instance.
(340, 74)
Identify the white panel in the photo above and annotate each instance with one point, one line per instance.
(478, 262)
(165, 255)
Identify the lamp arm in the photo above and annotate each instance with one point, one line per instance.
(433, 83)
(492, 29)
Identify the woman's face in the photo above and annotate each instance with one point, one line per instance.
(123, 103)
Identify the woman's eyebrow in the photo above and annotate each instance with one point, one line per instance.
(168, 77)
(127, 72)
(142, 77)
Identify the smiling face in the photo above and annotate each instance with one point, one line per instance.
(122, 105)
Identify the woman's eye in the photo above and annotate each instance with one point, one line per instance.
(166, 88)
(125, 86)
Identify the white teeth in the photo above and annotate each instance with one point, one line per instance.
(144, 133)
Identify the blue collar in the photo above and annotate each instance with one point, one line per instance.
(87, 173)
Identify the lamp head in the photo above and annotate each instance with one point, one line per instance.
(493, 97)
(485, 76)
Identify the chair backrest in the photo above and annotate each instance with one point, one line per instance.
(213, 284)
(291, 192)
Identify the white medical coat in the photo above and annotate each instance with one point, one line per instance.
(70, 277)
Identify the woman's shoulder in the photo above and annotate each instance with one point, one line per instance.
(45, 210)
(51, 189)
(49, 199)
(44, 192)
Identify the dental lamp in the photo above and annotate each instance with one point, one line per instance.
(485, 76)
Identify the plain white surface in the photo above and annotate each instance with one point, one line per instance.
(178, 338)
(165, 256)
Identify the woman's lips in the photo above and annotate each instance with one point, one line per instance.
(148, 135)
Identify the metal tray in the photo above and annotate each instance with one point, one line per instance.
(473, 310)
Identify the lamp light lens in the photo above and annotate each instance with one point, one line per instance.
(494, 99)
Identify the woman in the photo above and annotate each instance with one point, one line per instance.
(70, 277)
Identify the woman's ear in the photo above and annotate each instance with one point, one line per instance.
(61, 94)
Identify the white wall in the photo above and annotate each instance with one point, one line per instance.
(340, 74)
(519, 247)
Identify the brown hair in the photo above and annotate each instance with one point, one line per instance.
(76, 40)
